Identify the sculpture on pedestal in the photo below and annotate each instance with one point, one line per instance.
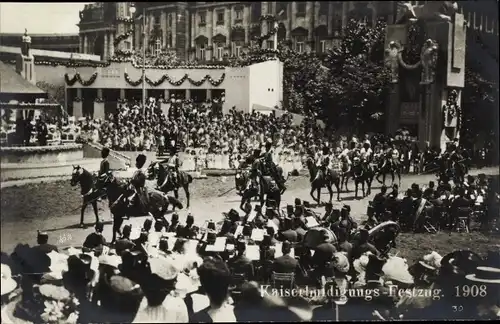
(392, 60)
(428, 58)
(451, 111)
(25, 48)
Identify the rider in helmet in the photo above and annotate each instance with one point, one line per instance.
(138, 183)
(335, 160)
(173, 166)
(324, 160)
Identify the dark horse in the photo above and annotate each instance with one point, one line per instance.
(385, 166)
(362, 174)
(267, 182)
(254, 187)
(119, 191)
(454, 170)
(241, 179)
(319, 180)
(164, 181)
(89, 192)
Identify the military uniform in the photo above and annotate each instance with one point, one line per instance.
(138, 181)
(104, 168)
(173, 165)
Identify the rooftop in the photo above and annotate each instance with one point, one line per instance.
(40, 35)
(12, 83)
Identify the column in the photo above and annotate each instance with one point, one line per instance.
(228, 21)
(174, 30)
(80, 44)
(345, 10)
(122, 94)
(310, 6)
(188, 94)
(166, 95)
(193, 29)
(85, 44)
(77, 105)
(163, 22)
(106, 49)
(209, 94)
(329, 20)
(99, 106)
(210, 29)
(246, 22)
(111, 44)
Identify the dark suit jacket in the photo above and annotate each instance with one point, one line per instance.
(46, 248)
(242, 265)
(286, 264)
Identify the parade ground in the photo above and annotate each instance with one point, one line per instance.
(55, 207)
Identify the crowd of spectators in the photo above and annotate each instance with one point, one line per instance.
(200, 126)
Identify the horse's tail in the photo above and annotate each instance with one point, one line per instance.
(189, 178)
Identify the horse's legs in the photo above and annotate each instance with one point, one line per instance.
(356, 184)
(311, 193)
(94, 206)
(399, 178)
(330, 191)
(117, 224)
(82, 212)
(363, 188)
(186, 191)
(318, 190)
(392, 177)
(176, 195)
(339, 189)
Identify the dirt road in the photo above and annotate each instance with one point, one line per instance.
(54, 207)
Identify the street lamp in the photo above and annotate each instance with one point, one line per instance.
(132, 10)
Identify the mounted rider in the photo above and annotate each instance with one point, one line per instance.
(366, 155)
(393, 156)
(173, 167)
(138, 183)
(323, 161)
(335, 163)
(269, 167)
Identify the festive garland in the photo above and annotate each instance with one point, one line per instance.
(77, 99)
(122, 37)
(270, 33)
(125, 20)
(165, 77)
(123, 54)
(77, 77)
(99, 100)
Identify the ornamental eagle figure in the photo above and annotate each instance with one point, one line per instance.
(431, 10)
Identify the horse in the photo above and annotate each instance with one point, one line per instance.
(88, 190)
(241, 179)
(319, 180)
(266, 182)
(118, 192)
(362, 174)
(387, 167)
(164, 180)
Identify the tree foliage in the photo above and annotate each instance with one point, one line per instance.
(346, 85)
(358, 77)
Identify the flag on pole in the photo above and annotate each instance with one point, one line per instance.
(282, 11)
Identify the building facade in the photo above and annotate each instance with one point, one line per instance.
(206, 31)
(50, 42)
